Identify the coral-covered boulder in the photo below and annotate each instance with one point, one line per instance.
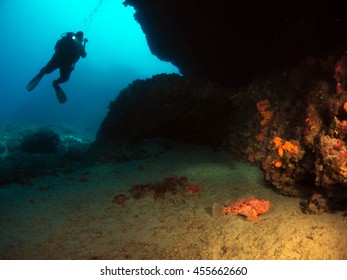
(303, 150)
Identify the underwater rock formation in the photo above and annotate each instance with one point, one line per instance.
(234, 41)
(292, 124)
(303, 151)
(42, 141)
(267, 78)
(28, 152)
(166, 106)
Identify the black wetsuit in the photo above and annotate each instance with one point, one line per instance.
(67, 53)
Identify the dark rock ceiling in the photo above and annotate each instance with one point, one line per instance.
(232, 41)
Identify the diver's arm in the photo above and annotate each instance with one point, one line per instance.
(58, 44)
(84, 53)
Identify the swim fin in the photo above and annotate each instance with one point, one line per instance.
(34, 82)
(59, 92)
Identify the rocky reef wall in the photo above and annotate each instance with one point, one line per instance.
(266, 80)
(300, 139)
(292, 124)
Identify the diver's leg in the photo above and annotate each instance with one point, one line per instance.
(35, 81)
(49, 68)
(65, 73)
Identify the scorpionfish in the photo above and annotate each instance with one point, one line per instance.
(248, 207)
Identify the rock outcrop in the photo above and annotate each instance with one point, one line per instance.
(234, 41)
(167, 106)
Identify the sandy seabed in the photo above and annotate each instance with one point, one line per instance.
(71, 216)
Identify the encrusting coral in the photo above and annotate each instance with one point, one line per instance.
(287, 146)
(341, 75)
(264, 109)
(314, 118)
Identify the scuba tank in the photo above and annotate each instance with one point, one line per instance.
(65, 42)
(68, 47)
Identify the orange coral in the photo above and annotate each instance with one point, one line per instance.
(261, 136)
(287, 146)
(345, 106)
(193, 188)
(263, 105)
(267, 116)
(264, 109)
(290, 147)
(278, 141)
(278, 164)
(280, 151)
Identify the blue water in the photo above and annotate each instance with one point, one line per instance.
(117, 54)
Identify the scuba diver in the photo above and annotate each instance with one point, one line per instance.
(68, 50)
